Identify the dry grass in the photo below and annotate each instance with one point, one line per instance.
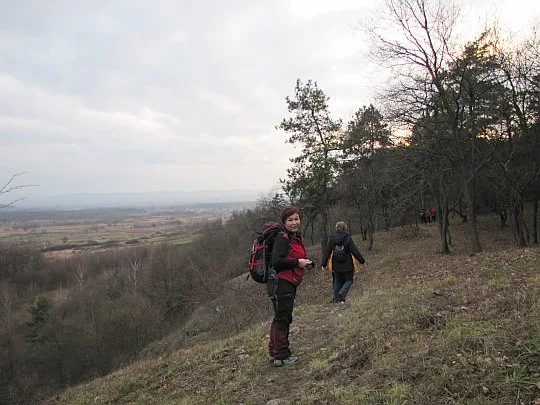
(419, 328)
(64, 237)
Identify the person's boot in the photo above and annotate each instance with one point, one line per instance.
(289, 360)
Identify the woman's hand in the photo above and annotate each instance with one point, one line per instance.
(302, 263)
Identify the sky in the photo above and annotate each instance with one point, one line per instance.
(140, 96)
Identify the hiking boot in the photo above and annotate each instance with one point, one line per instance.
(290, 360)
(340, 298)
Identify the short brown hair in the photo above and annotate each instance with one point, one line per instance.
(287, 211)
(341, 226)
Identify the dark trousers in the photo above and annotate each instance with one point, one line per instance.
(282, 294)
(342, 282)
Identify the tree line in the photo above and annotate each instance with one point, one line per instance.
(458, 129)
(67, 319)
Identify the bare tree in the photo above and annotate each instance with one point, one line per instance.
(431, 79)
(164, 282)
(11, 186)
(518, 160)
(7, 325)
(133, 269)
(80, 280)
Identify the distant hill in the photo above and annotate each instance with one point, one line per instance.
(157, 198)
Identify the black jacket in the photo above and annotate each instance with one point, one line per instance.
(342, 238)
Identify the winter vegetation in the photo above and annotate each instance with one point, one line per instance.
(445, 312)
(419, 327)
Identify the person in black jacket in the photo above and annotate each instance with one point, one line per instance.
(342, 268)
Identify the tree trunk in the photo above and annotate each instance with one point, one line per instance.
(310, 224)
(370, 232)
(448, 234)
(470, 213)
(386, 215)
(519, 225)
(462, 215)
(442, 219)
(324, 231)
(363, 229)
(96, 319)
(59, 359)
(11, 359)
(535, 222)
(443, 212)
(305, 224)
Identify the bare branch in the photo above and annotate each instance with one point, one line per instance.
(9, 187)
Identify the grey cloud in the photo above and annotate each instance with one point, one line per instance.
(151, 91)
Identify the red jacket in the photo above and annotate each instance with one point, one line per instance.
(288, 248)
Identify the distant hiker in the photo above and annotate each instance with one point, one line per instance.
(289, 260)
(428, 215)
(433, 214)
(341, 252)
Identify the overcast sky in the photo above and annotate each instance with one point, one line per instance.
(135, 96)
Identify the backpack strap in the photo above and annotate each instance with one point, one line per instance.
(282, 234)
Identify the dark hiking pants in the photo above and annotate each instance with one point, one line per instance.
(282, 294)
(342, 282)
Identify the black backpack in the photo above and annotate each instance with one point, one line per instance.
(261, 252)
(340, 252)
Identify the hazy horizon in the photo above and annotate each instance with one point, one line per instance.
(142, 199)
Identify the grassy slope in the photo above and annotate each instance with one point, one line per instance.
(419, 328)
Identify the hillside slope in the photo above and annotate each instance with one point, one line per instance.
(418, 328)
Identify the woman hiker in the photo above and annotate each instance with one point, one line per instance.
(289, 260)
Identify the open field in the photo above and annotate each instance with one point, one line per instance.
(62, 233)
